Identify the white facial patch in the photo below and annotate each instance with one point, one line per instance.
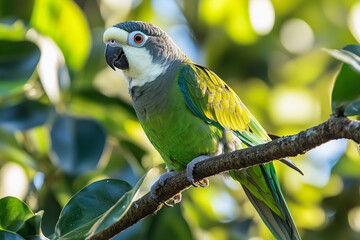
(117, 34)
(142, 69)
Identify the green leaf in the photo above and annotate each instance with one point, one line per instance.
(72, 33)
(346, 92)
(9, 235)
(346, 89)
(116, 212)
(18, 61)
(32, 226)
(77, 143)
(87, 206)
(353, 108)
(23, 116)
(350, 54)
(13, 214)
(355, 50)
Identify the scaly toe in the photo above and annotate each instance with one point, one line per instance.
(190, 169)
(158, 184)
(153, 190)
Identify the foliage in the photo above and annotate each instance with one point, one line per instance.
(91, 210)
(347, 85)
(66, 120)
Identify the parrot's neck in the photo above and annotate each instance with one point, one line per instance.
(152, 97)
(143, 70)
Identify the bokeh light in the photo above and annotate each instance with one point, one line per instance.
(168, 9)
(295, 106)
(13, 181)
(354, 219)
(38, 180)
(262, 16)
(321, 161)
(354, 21)
(296, 36)
(181, 35)
(224, 207)
(311, 217)
(113, 11)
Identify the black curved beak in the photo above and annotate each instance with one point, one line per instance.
(115, 57)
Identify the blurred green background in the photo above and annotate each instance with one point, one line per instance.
(70, 122)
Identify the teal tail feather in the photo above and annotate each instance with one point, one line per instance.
(262, 188)
(274, 212)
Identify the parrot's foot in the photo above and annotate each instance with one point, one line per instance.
(190, 169)
(161, 182)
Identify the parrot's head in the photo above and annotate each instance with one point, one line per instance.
(142, 50)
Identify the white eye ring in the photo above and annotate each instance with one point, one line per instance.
(137, 39)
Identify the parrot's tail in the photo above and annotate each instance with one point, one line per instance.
(265, 194)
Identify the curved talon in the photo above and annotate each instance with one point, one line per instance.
(176, 199)
(205, 183)
(193, 183)
(168, 204)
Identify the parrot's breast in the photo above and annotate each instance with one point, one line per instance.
(176, 133)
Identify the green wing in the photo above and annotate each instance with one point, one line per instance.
(211, 99)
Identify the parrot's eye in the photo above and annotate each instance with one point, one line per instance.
(137, 39)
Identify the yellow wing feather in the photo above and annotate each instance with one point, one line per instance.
(216, 100)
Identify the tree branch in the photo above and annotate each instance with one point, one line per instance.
(289, 146)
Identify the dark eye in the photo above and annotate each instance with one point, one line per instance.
(138, 38)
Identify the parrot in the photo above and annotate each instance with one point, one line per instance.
(189, 114)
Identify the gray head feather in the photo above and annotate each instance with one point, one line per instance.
(159, 43)
(147, 28)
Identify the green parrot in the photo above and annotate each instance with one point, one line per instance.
(190, 114)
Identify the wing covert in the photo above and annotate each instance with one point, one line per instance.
(212, 99)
